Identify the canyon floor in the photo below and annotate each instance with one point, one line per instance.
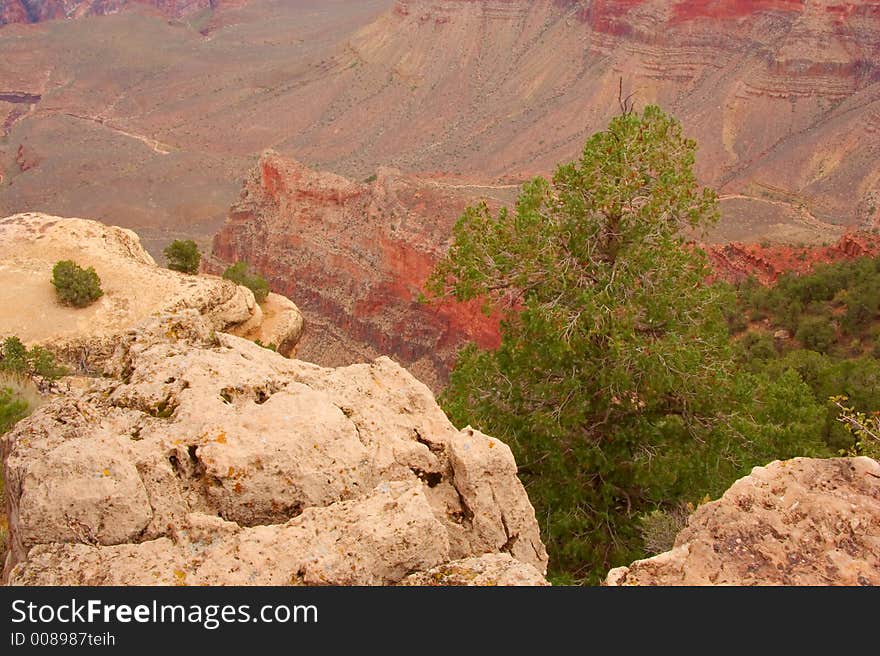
(152, 122)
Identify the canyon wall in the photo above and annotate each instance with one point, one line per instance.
(783, 98)
(765, 263)
(356, 256)
(35, 11)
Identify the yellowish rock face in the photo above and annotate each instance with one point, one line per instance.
(804, 521)
(202, 458)
(134, 288)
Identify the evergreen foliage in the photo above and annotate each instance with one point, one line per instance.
(183, 256)
(17, 360)
(615, 382)
(76, 286)
(239, 273)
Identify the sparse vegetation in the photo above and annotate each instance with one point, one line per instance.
(660, 527)
(816, 333)
(74, 285)
(864, 429)
(239, 273)
(14, 402)
(17, 360)
(18, 398)
(835, 349)
(183, 256)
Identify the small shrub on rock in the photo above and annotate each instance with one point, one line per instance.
(239, 273)
(76, 286)
(183, 256)
(659, 528)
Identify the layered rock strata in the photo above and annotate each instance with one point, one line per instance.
(356, 256)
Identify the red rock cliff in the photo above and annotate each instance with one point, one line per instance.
(355, 257)
(735, 262)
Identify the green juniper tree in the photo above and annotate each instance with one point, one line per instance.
(74, 285)
(183, 256)
(240, 274)
(614, 375)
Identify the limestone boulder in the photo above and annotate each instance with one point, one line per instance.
(798, 522)
(277, 324)
(201, 457)
(340, 544)
(486, 570)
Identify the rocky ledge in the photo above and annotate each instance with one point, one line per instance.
(134, 288)
(202, 458)
(798, 522)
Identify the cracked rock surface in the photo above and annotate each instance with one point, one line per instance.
(796, 522)
(202, 458)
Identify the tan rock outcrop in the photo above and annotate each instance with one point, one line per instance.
(487, 570)
(277, 323)
(372, 541)
(798, 522)
(134, 288)
(201, 457)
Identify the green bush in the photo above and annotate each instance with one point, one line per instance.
(862, 306)
(13, 356)
(14, 405)
(12, 408)
(816, 333)
(76, 286)
(239, 274)
(183, 256)
(758, 345)
(17, 360)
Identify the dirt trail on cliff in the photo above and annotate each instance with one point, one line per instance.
(151, 143)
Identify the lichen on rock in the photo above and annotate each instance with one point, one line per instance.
(202, 453)
(796, 522)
